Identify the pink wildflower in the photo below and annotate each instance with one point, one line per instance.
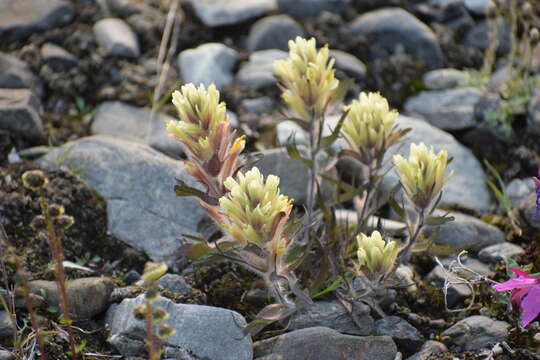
(525, 294)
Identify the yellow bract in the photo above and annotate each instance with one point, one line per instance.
(376, 257)
(254, 209)
(200, 112)
(369, 125)
(307, 78)
(423, 174)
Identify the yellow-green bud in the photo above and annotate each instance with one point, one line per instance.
(140, 312)
(159, 313)
(153, 271)
(34, 179)
(376, 257)
(422, 175)
(200, 113)
(255, 210)
(165, 331)
(307, 79)
(55, 210)
(65, 221)
(151, 294)
(369, 126)
(534, 35)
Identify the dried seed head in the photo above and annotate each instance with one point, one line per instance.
(140, 312)
(165, 330)
(159, 313)
(55, 210)
(38, 223)
(65, 221)
(34, 179)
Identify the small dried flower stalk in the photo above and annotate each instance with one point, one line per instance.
(422, 175)
(204, 131)
(307, 79)
(376, 257)
(369, 128)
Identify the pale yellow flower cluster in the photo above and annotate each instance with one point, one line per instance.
(369, 126)
(422, 174)
(255, 211)
(376, 257)
(200, 113)
(307, 79)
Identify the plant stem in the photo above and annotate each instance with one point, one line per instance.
(412, 240)
(312, 186)
(153, 350)
(58, 257)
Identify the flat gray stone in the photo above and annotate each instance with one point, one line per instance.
(116, 37)
(389, 28)
(495, 253)
(451, 109)
(6, 355)
(273, 32)
(208, 63)
(21, 18)
(331, 314)
(260, 105)
(475, 333)
(289, 131)
(519, 189)
(429, 348)
(477, 7)
(7, 328)
(258, 72)
(467, 186)
(15, 74)
(293, 175)
(87, 297)
(176, 283)
(442, 79)
(138, 184)
(57, 57)
(466, 232)
(404, 334)
(311, 8)
(320, 343)
(477, 36)
(229, 12)
(349, 64)
(118, 119)
(20, 112)
(202, 332)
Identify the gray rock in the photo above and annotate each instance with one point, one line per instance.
(208, 63)
(467, 186)
(202, 332)
(429, 348)
(311, 8)
(175, 283)
(118, 119)
(260, 105)
(273, 32)
(320, 343)
(404, 334)
(495, 253)
(477, 7)
(109, 314)
(451, 109)
(57, 57)
(138, 184)
(476, 332)
(116, 37)
(527, 208)
(442, 79)
(349, 64)
(131, 277)
(518, 190)
(229, 12)
(7, 328)
(87, 297)
(288, 128)
(293, 175)
(467, 233)
(21, 18)
(15, 74)
(533, 118)
(258, 71)
(125, 8)
(20, 113)
(6, 355)
(390, 28)
(457, 291)
(332, 314)
(478, 36)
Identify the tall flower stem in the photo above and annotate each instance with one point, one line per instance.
(153, 348)
(58, 257)
(313, 170)
(420, 222)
